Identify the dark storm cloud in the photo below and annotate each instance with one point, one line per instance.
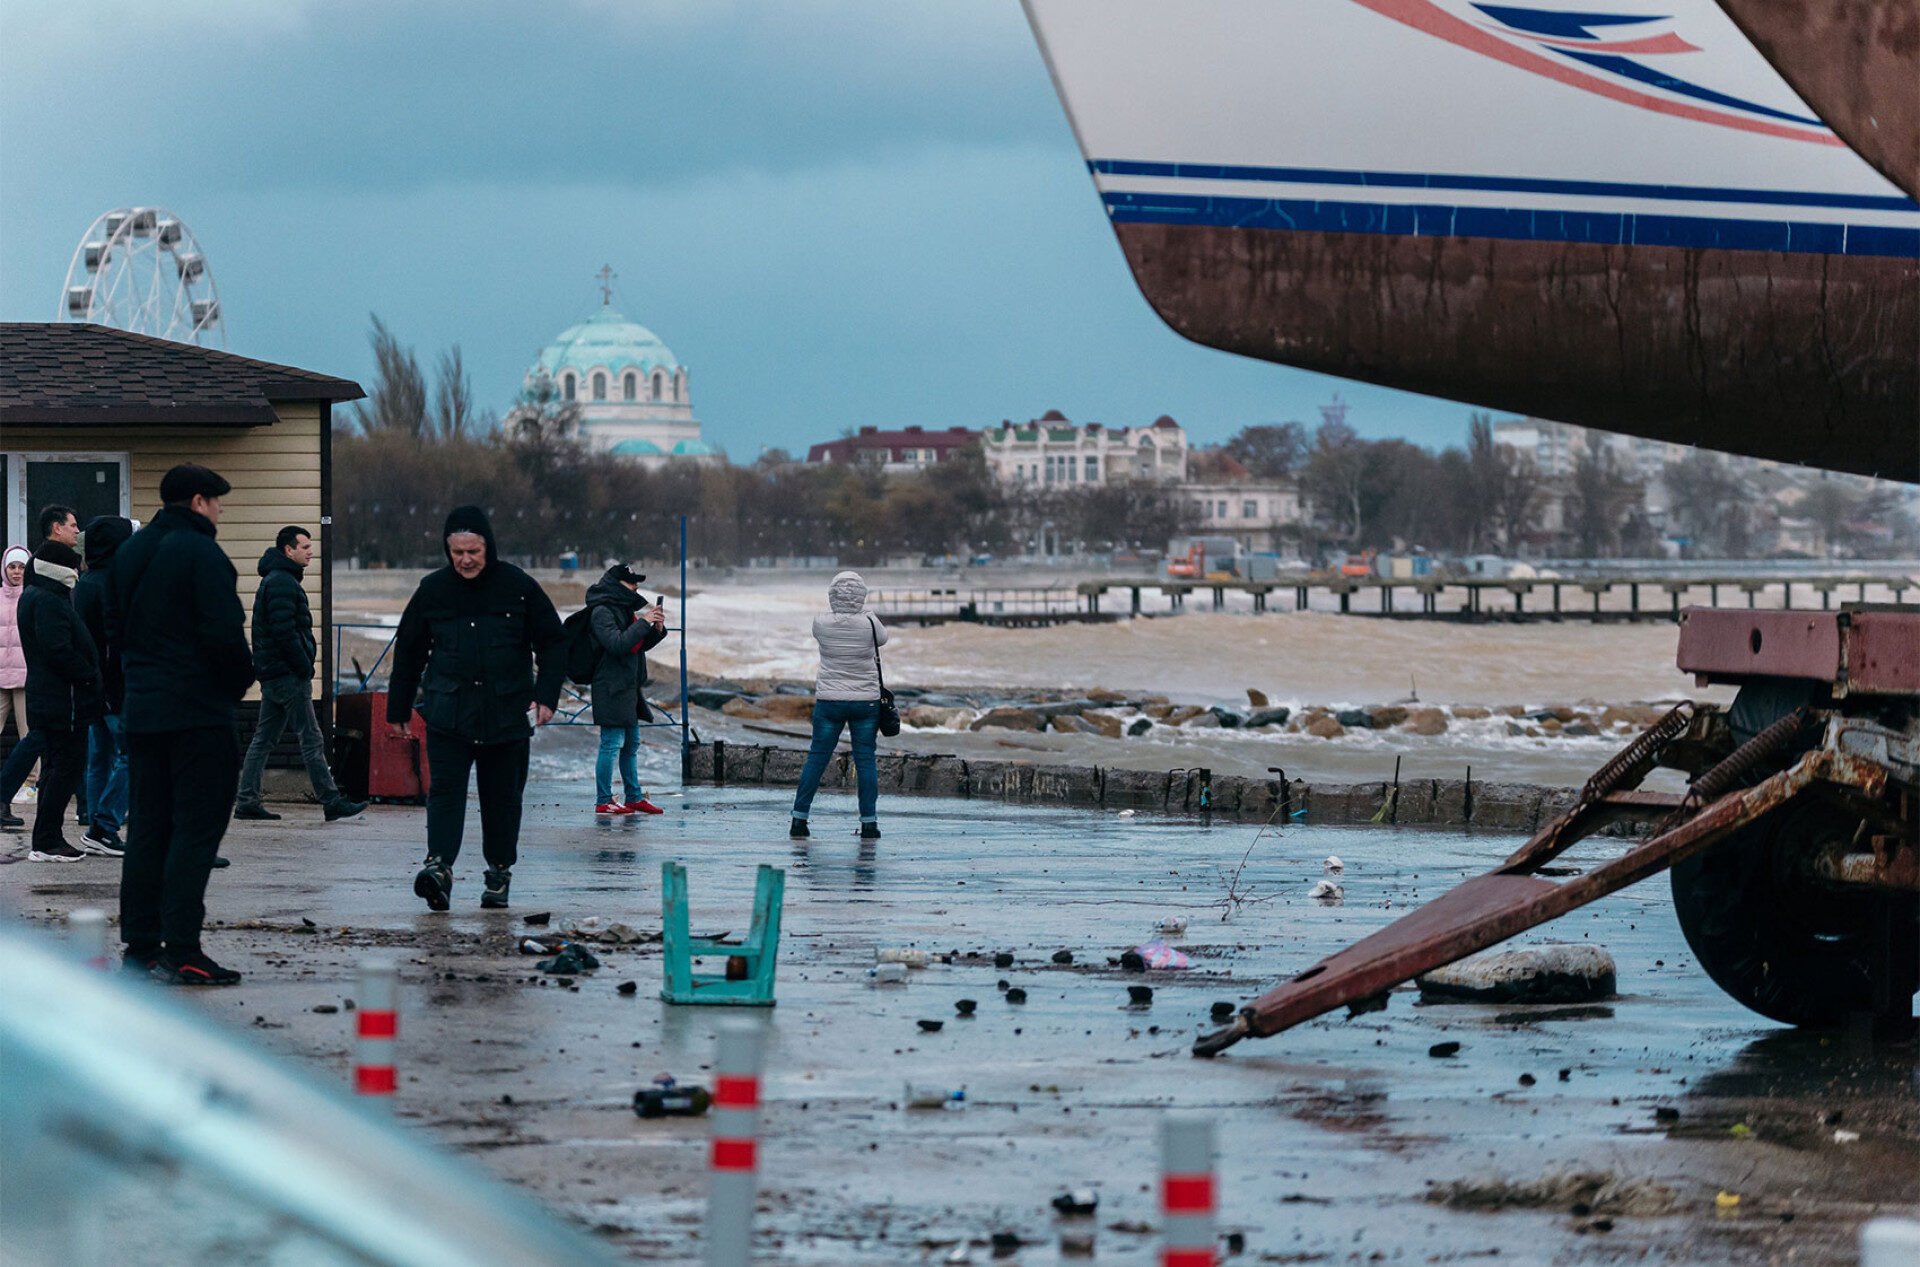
(391, 97)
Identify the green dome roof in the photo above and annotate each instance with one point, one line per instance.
(607, 339)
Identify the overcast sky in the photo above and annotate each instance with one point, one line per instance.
(836, 213)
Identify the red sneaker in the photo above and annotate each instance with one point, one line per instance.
(612, 807)
(643, 806)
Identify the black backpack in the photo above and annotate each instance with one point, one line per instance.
(583, 649)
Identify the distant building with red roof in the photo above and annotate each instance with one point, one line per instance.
(896, 452)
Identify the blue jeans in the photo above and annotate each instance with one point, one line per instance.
(829, 715)
(624, 740)
(107, 774)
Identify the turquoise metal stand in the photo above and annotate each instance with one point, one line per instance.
(759, 950)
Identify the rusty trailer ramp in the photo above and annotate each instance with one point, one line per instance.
(1489, 909)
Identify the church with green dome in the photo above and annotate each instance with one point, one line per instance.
(632, 394)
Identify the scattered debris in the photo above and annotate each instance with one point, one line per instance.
(1332, 865)
(1666, 1113)
(1846, 1137)
(572, 961)
(1063, 956)
(924, 1097)
(628, 987)
(1553, 973)
(1006, 1244)
(537, 921)
(1133, 962)
(1004, 959)
(1157, 954)
(540, 945)
(911, 958)
(1601, 1192)
(1172, 926)
(1448, 1048)
(667, 1098)
(932, 1027)
(888, 974)
(325, 1009)
(964, 1006)
(1128, 813)
(1139, 995)
(1725, 1201)
(1223, 1011)
(1526, 1079)
(1076, 1243)
(1327, 891)
(1016, 995)
(1078, 1203)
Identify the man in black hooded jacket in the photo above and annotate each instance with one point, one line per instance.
(468, 642)
(106, 746)
(177, 619)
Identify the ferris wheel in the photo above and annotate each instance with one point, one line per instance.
(141, 269)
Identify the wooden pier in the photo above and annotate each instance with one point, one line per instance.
(1649, 595)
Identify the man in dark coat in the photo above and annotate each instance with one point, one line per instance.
(106, 781)
(284, 652)
(64, 694)
(183, 650)
(468, 643)
(624, 629)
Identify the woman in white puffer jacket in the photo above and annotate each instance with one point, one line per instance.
(845, 694)
(13, 660)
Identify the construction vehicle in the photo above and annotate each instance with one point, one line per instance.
(1561, 214)
(1205, 558)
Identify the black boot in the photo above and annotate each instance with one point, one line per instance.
(869, 831)
(494, 896)
(435, 884)
(255, 812)
(799, 829)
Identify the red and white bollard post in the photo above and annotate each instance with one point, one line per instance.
(733, 1164)
(377, 1026)
(87, 936)
(1186, 1192)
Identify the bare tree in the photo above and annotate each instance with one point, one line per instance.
(452, 395)
(1598, 500)
(398, 401)
(1336, 476)
(1271, 452)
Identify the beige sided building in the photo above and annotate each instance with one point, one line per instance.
(92, 417)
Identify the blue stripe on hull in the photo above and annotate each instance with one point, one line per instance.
(1526, 225)
(1504, 184)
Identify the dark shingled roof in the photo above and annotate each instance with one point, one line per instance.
(72, 374)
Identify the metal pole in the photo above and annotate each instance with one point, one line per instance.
(733, 1161)
(1186, 1192)
(377, 1028)
(686, 744)
(87, 936)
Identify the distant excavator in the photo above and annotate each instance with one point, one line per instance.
(1693, 222)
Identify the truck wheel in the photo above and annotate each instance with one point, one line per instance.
(1787, 946)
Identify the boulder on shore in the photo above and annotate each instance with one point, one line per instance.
(1228, 717)
(1268, 717)
(1471, 712)
(933, 717)
(1553, 973)
(1005, 718)
(1427, 721)
(1358, 718)
(788, 707)
(1139, 726)
(741, 706)
(715, 697)
(1325, 727)
(1105, 696)
(1183, 714)
(1386, 716)
(1256, 699)
(1103, 724)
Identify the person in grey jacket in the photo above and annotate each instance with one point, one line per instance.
(846, 694)
(624, 629)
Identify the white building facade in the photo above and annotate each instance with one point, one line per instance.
(633, 396)
(1261, 517)
(1051, 452)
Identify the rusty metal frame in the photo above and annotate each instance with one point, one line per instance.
(1490, 908)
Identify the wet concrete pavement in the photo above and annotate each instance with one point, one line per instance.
(1330, 1136)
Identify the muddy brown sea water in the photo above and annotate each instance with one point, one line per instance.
(1331, 1138)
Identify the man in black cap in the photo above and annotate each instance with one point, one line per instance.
(63, 691)
(177, 618)
(468, 642)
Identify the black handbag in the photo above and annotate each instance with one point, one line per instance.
(889, 715)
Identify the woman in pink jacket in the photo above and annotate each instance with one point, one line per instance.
(13, 661)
